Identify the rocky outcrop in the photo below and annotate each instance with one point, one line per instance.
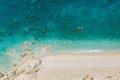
(114, 77)
(24, 71)
(1, 75)
(88, 77)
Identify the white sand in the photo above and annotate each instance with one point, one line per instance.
(69, 66)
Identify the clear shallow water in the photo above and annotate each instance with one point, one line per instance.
(56, 46)
(61, 24)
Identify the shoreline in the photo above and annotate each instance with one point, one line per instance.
(67, 66)
(19, 59)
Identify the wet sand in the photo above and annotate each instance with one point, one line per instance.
(68, 66)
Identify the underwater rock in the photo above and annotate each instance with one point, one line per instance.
(106, 2)
(15, 65)
(43, 30)
(79, 28)
(36, 36)
(13, 22)
(24, 54)
(33, 1)
(88, 77)
(45, 48)
(1, 74)
(25, 44)
(10, 52)
(113, 9)
(33, 42)
(25, 32)
(26, 49)
(2, 31)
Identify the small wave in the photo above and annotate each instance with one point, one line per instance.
(88, 51)
(82, 51)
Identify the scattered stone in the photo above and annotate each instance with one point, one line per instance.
(37, 36)
(36, 70)
(33, 71)
(33, 42)
(15, 65)
(22, 77)
(111, 78)
(114, 77)
(24, 71)
(88, 77)
(12, 73)
(45, 48)
(10, 52)
(79, 28)
(1, 75)
(27, 49)
(25, 44)
(24, 54)
(30, 67)
(13, 22)
(25, 32)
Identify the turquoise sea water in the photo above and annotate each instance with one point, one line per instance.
(61, 24)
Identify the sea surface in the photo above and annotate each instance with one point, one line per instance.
(63, 25)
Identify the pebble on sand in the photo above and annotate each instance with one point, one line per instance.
(24, 54)
(1, 74)
(10, 52)
(88, 77)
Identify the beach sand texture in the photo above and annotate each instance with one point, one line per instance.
(64, 66)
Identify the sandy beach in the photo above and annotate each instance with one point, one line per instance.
(59, 39)
(68, 66)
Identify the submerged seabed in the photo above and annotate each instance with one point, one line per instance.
(63, 25)
(56, 46)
